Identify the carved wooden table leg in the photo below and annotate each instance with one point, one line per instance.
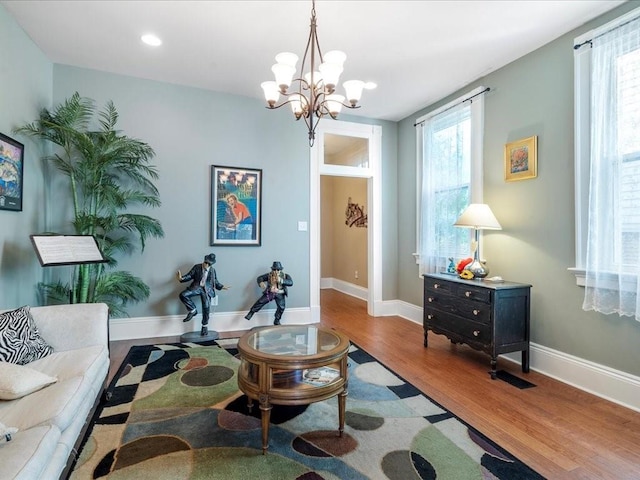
(265, 409)
(342, 401)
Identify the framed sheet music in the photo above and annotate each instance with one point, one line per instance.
(66, 249)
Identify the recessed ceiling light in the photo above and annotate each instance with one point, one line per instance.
(151, 39)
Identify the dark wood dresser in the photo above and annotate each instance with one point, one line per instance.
(490, 317)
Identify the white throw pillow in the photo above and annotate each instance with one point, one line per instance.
(16, 381)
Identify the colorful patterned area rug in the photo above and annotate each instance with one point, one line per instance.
(175, 412)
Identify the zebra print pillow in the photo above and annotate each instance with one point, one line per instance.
(20, 340)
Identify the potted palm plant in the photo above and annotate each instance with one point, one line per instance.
(108, 174)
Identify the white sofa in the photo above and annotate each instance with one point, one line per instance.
(52, 421)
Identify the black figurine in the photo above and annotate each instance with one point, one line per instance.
(204, 282)
(274, 287)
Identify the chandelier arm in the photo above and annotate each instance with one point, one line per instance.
(348, 105)
(322, 109)
(303, 84)
(276, 106)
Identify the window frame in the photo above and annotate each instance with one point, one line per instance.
(476, 99)
(582, 139)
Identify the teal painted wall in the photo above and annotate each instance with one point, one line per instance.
(25, 87)
(531, 96)
(191, 129)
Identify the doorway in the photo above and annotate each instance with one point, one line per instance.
(367, 167)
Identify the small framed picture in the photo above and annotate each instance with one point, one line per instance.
(521, 159)
(11, 170)
(236, 206)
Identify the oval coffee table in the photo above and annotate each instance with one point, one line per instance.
(293, 365)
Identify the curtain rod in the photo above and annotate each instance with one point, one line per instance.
(468, 99)
(632, 16)
(580, 45)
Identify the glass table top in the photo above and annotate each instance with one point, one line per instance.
(292, 340)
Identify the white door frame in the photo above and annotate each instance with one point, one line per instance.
(374, 198)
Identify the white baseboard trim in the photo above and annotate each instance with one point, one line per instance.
(172, 325)
(608, 383)
(408, 311)
(605, 382)
(345, 287)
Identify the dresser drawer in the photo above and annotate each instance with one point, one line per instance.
(476, 311)
(473, 293)
(458, 328)
(440, 286)
(463, 291)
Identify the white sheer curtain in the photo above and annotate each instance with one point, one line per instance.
(445, 191)
(613, 245)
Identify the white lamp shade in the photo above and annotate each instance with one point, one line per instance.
(353, 89)
(335, 56)
(298, 104)
(284, 74)
(317, 79)
(334, 104)
(287, 58)
(478, 216)
(271, 93)
(330, 74)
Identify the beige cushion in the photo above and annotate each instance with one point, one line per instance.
(27, 455)
(6, 432)
(16, 381)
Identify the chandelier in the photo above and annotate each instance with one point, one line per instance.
(313, 95)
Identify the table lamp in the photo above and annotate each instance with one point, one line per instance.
(479, 217)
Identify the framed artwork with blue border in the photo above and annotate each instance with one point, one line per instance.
(11, 172)
(236, 206)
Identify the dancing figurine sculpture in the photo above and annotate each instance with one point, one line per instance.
(204, 282)
(274, 287)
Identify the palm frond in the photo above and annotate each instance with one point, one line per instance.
(109, 174)
(54, 293)
(117, 289)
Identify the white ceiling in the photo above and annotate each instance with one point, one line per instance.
(417, 52)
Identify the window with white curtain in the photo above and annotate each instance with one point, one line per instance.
(449, 153)
(607, 66)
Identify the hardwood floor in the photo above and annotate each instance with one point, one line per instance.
(558, 430)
